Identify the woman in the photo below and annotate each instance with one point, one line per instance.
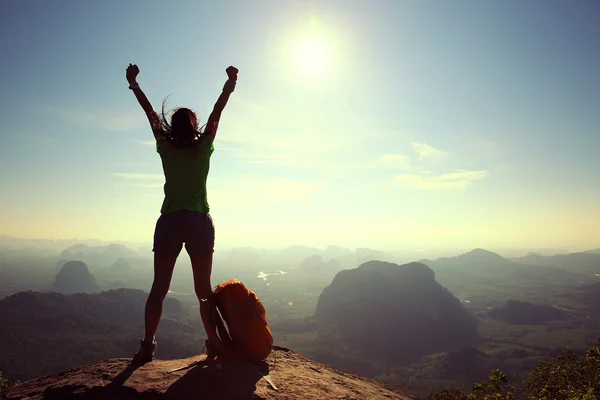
(185, 218)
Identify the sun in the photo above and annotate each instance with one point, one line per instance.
(312, 57)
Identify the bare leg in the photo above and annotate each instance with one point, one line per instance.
(163, 272)
(202, 269)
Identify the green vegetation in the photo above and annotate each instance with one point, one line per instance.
(496, 388)
(3, 382)
(524, 313)
(568, 377)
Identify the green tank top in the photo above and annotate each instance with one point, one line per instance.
(186, 170)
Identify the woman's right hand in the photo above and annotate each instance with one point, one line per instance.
(132, 73)
(232, 73)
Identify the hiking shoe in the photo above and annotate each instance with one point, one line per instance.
(215, 357)
(145, 354)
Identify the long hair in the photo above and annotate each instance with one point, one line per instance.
(183, 130)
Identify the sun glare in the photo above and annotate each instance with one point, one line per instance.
(312, 57)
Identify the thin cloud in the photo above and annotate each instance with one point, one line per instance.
(426, 155)
(262, 191)
(132, 163)
(282, 160)
(394, 160)
(312, 141)
(460, 179)
(278, 128)
(151, 142)
(142, 185)
(107, 120)
(461, 175)
(426, 151)
(140, 176)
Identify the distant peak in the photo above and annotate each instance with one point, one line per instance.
(478, 252)
(416, 271)
(74, 265)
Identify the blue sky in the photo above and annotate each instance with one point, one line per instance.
(361, 123)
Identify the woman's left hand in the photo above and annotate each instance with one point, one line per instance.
(132, 73)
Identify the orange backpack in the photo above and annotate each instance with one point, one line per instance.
(249, 335)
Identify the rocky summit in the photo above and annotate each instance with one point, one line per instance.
(285, 375)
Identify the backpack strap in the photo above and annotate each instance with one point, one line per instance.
(220, 325)
(207, 308)
(218, 336)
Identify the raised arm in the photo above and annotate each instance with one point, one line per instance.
(213, 120)
(131, 75)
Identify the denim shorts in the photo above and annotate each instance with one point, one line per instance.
(193, 228)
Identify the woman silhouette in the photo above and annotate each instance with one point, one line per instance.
(185, 152)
